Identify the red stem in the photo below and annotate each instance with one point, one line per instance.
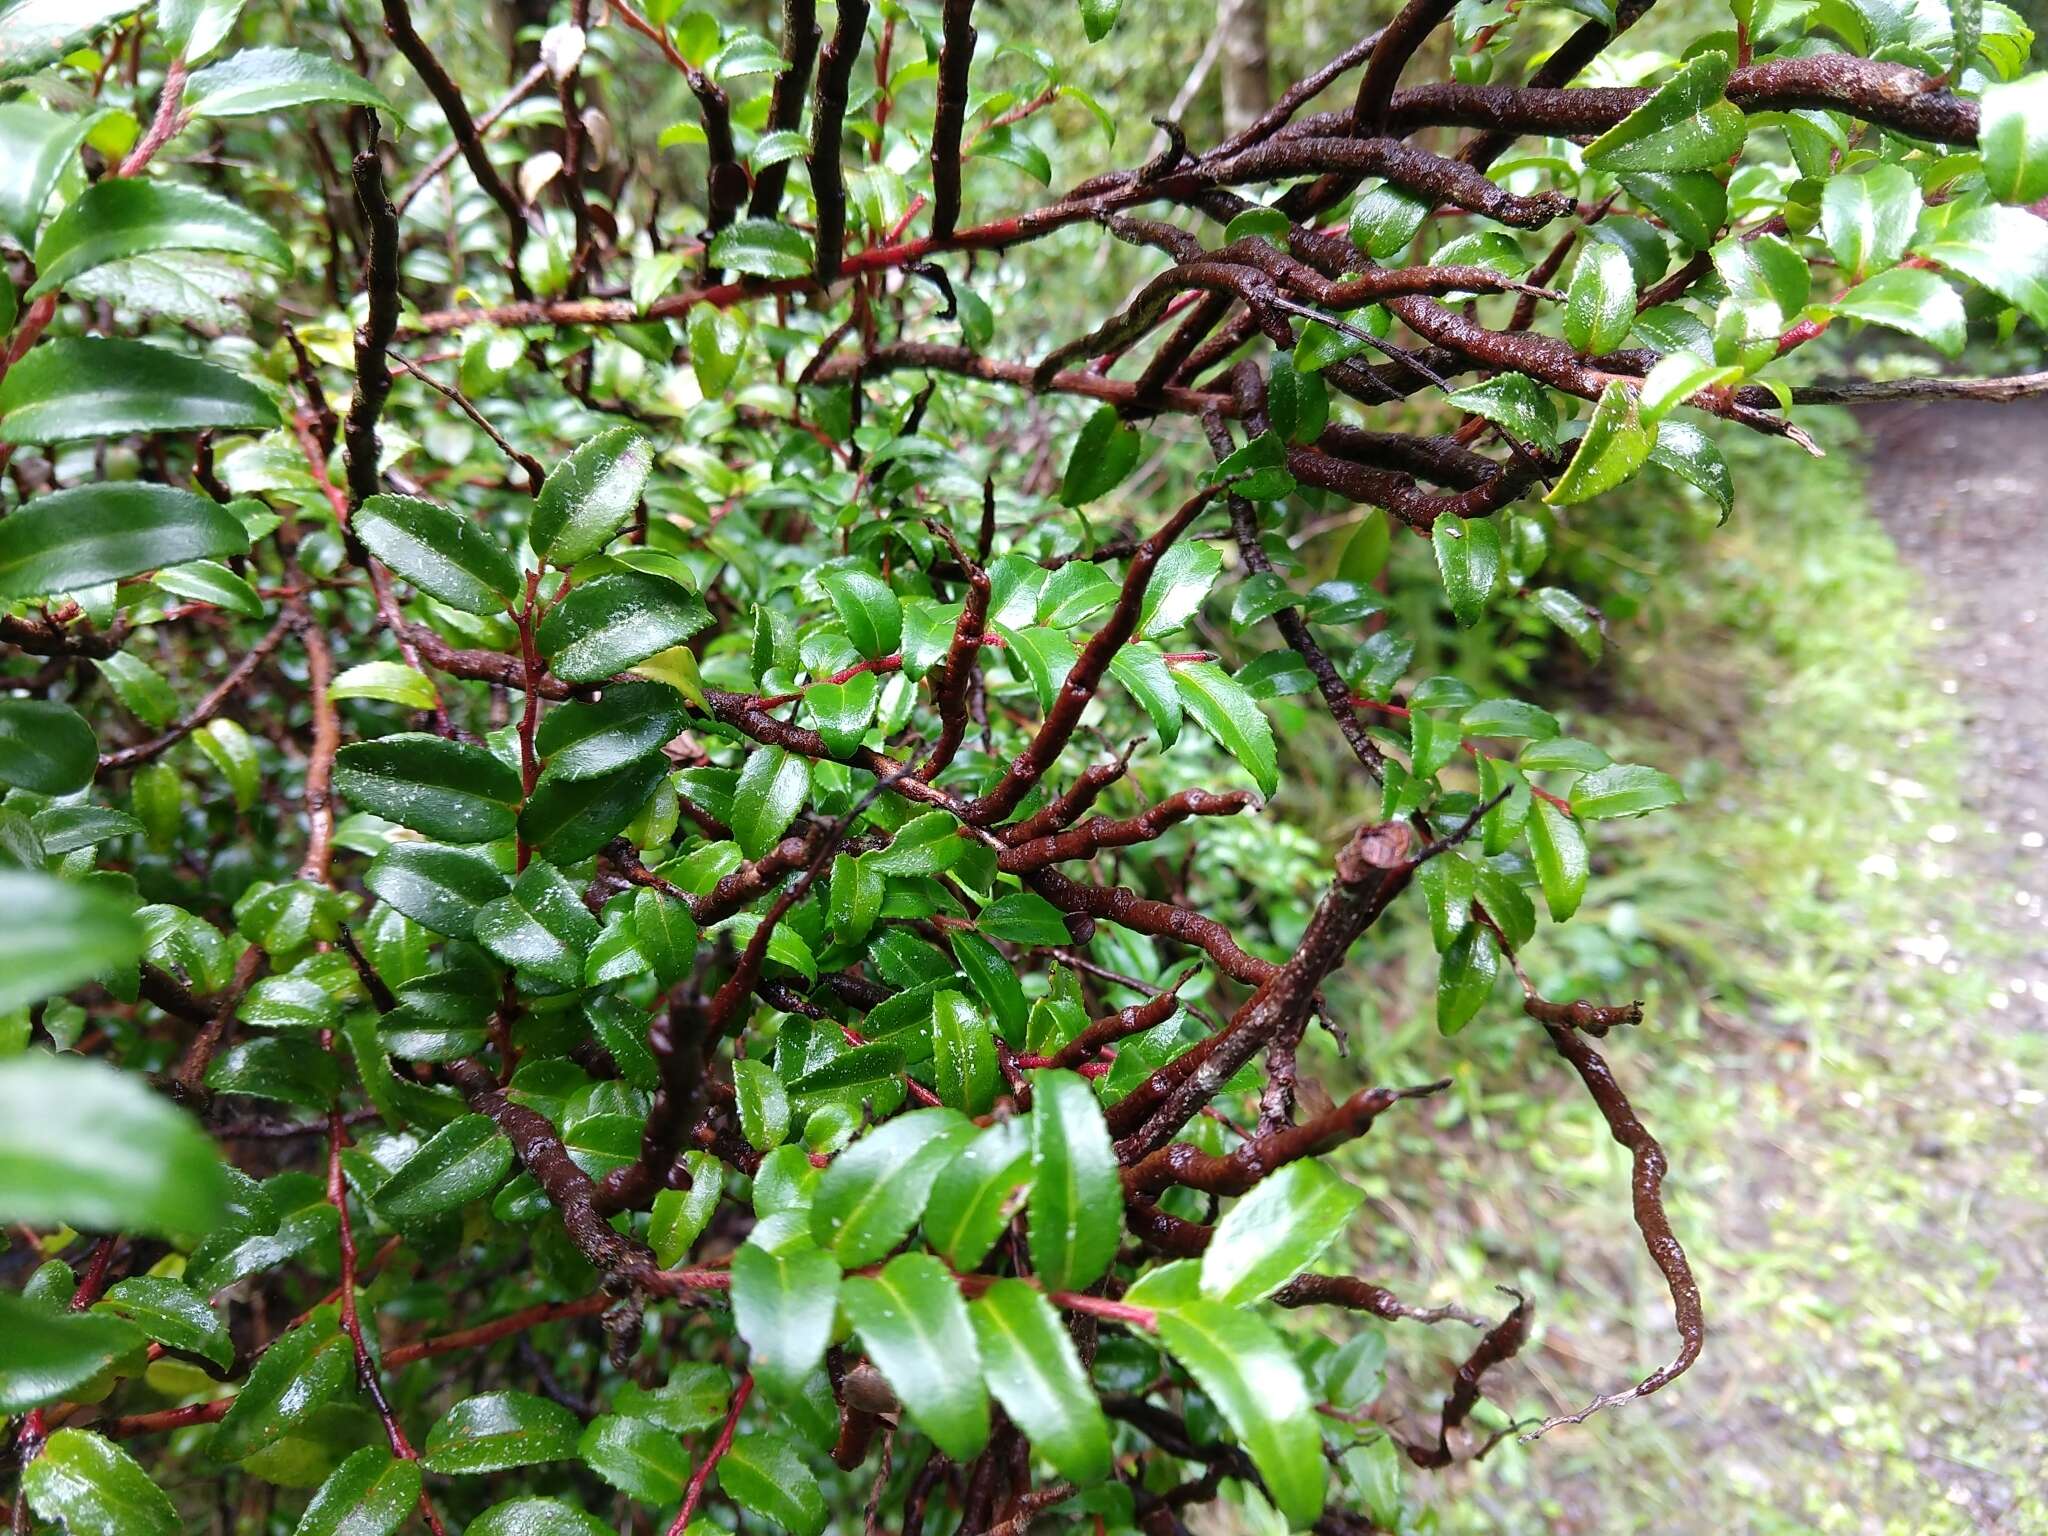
(718, 1449)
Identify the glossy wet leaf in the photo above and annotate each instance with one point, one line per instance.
(783, 1301)
(765, 1474)
(915, 1328)
(93, 387)
(84, 1144)
(47, 1350)
(1222, 707)
(291, 1380)
(975, 1194)
(1686, 126)
(497, 1430)
(1275, 1232)
(2012, 138)
(439, 551)
(119, 218)
(630, 723)
(45, 747)
(446, 790)
(772, 788)
(35, 147)
(439, 888)
(1103, 455)
(171, 1313)
(1613, 448)
(590, 495)
(616, 621)
(1868, 218)
(870, 611)
(1466, 972)
(762, 248)
(96, 1489)
(462, 1161)
(1558, 849)
(1470, 561)
(1034, 1371)
(1512, 401)
(1912, 300)
(1076, 1202)
(1244, 1369)
(874, 1191)
(370, 1494)
(275, 80)
(642, 1460)
(94, 533)
(541, 927)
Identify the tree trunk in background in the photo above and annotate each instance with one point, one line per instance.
(1247, 80)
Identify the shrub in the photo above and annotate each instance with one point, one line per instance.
(638, 884)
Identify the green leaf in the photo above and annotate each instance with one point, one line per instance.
(259, 80)
(1319, 346)
(1024, 917)
(970, 1200)
(96, 1489)
(963, 1053)
(48, 1351)
(1465, 976)
(572, 819)
(1686, 126)
(1268, 223)
(127, 216)
(589, 496)
(716, 341)
(915, 1328)
(1003, 143)
(773, 787)
(1102, 457)
(616, 621)
(390, 682)
(1764, 271)
(1245, 1370)
(441, 552)
(1509, 718)
(94, 533)
(1691, 455)
(1600, 306)
(1076, 1203)
(45, 747)
(497, 1430)
(444, 789)
(1034, 1371)
(1512, 401)
(35, 148)
(762, 248)
(1098, 16)
(82, 1143)
(369, 1494)
(1142, 669)
(1384, 219)
(439, 888)
(2012, 138)
(783, 1302)
(172, 1314)
(1613, 449)
(924, 845)
(680, 1216)
(2005, 249)
(693, 1397)
(291, 1069)
(1180, 582)
(1468, 556)
(842, 712)
(631, 723)
(875, 1190)
(81, 387)
(536, 1517)
(1623, 789)
(641, 1460)
(870, 611)
(291, 1381)
(764, 1474)
(541, 928)
(1675, 379)
(1692, 204)
(194, 28)
(1868, 218)
(1221, 707)
(763, 1104)
(1558, 850)
(1912, 300)
(208, 581)
(1044, 656)
(461, 1162)
(1276, 1232)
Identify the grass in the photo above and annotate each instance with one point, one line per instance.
(1856, 1171)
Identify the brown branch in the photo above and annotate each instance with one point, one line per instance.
(800, 37)
(211, 704)
(1092, 836)
(1237, 1171)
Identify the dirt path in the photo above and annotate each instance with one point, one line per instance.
(1963, 491)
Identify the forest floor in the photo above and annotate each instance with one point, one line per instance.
(1847, 1057)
